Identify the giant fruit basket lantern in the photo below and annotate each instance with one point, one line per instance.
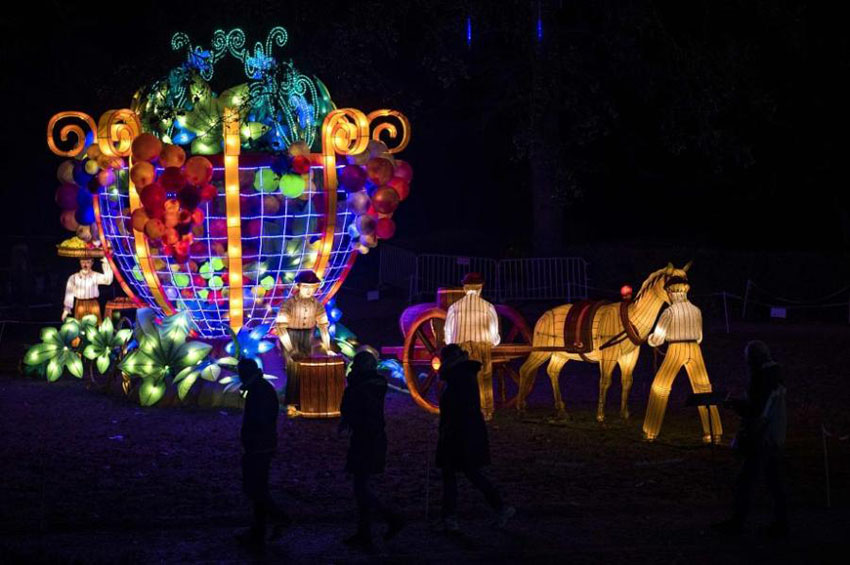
(213, 203)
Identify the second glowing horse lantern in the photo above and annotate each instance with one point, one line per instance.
(258, 228)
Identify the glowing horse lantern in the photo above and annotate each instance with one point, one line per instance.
(314, 234)
(608, 334)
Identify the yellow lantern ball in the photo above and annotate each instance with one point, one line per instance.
(93, 151)
(91, 167)
(299, 148)
(142, 174)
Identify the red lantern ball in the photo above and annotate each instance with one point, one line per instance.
(403, 170)
(401, 186)
(172, 178)
(379, 170)
(385, 200)
(153, 198)
(68, 220)
(66, 196)
(301, 164)
(208, 193)
(385, 228)
(146, 147)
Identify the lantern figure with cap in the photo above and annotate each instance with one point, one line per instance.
(680, 326)
(296, 322)
(473, 323)
(81, 291)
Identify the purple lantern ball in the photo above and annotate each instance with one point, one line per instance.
(66, 196)
(359, 202)
(352, 178)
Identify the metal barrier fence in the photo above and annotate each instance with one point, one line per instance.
(540, 278)
(543, 278)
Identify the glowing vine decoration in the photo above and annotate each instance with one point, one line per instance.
(277, 91)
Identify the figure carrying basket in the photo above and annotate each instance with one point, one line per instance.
(81, 291)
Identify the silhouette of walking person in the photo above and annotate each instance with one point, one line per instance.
(259, 443)
(362, 412)
(760, 440)
(462, 444)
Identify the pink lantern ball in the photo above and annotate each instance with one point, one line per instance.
(172, 178)
(142, 174)
(146, 147)
(65, 172)
(252, 228)
(172, 156)
(385, 200)
(198, 170)
(358, 202)
(401, 186)
(385, 228)
(379, 170)
(68, 221)
(66, 196)
(366, 224)
(106, 177)
(352, 178)
(208, 193)
(403, 170)
(271, 204)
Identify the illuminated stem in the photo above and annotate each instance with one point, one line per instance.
(234, 219)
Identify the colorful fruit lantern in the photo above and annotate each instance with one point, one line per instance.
(212, 204)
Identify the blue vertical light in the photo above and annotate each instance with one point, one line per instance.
(539, 23)
(468, 31)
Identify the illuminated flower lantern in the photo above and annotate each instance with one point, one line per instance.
(212, 204)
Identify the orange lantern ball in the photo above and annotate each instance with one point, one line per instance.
(146, 147)
(139, 219)
(154, 228)
(172, 156)
(199, 170)
(385, 200)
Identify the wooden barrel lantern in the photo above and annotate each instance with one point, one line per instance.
(446, 296)
(322, 382)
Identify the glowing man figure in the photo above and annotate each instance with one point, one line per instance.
(681, 327)
(297, 320)
(81, 292)
(472, 323)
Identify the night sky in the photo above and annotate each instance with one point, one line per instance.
(710, 124)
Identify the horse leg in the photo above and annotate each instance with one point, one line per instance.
(527, 375)
(627, 364)
(606, 369)
(554, 371)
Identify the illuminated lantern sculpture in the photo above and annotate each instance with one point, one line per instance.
(227, 246)
(81, 291)
(298, 318)
(473, 323)
(680, 326)
(596, 332)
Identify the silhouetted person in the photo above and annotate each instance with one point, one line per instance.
(462, 445)
(362, 411)
(259, 443)
(760, 439)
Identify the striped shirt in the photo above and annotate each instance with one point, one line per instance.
(472, 319)
(682, 321)
(302, 314)
(84, 285)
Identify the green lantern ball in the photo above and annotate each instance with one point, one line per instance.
(265, 181)
(292, 185)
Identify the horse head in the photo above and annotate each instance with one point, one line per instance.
(654, 284)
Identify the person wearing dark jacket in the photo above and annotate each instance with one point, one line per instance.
(259, 442)
(462, 444)
(760, 439)
(362, 411)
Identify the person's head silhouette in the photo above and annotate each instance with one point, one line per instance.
(249, 372)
